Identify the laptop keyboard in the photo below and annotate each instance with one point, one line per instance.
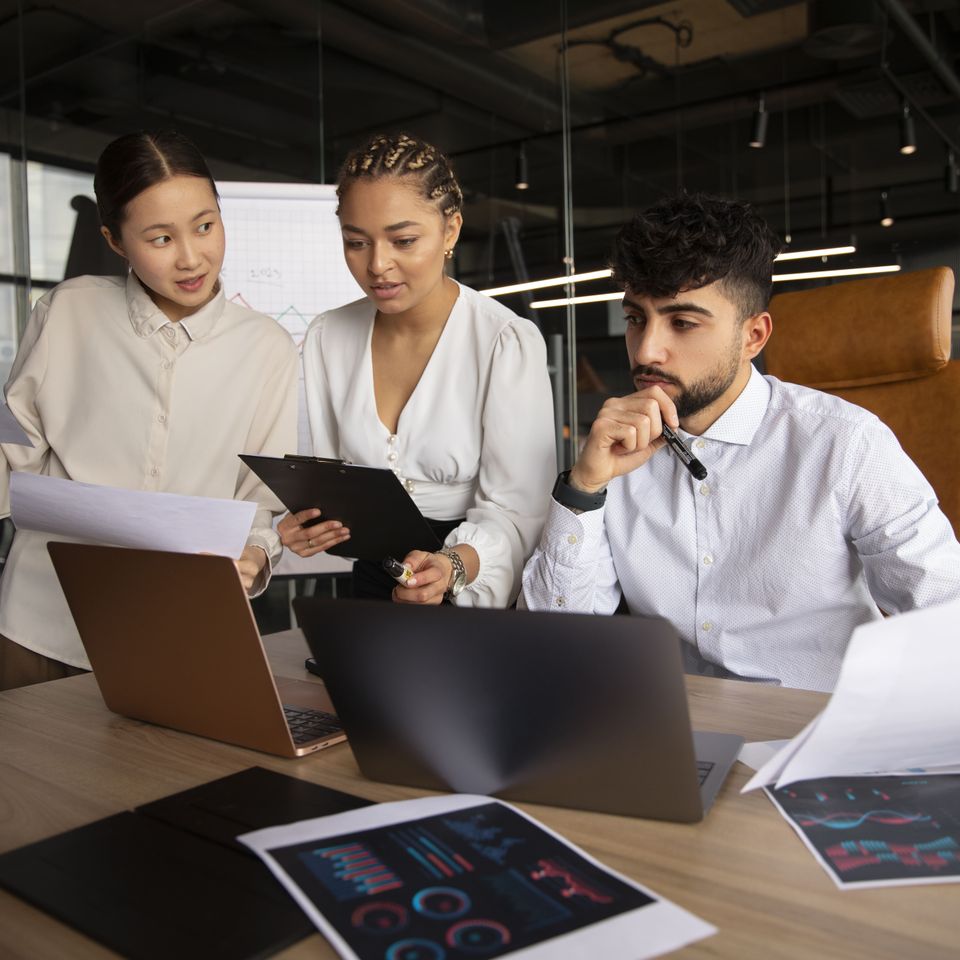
(307, 725)
(703, 770)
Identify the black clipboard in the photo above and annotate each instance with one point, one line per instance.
(371, 502)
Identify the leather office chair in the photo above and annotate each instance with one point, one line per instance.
(884, 344)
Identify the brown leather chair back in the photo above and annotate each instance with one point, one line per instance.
(884, 344)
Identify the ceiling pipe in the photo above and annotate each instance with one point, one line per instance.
(923, 44)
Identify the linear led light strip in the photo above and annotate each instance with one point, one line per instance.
(777, 278)
(602, 274)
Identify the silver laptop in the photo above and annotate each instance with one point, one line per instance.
(172, 640)
(578, 711)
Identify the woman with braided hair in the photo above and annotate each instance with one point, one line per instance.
(429, 378)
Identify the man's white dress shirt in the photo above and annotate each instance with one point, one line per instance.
(811, 515)
(476, 436)
(111, 392)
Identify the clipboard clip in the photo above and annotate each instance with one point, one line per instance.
(299, 458)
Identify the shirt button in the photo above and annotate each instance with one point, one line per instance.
(167, 364)
(391, 456)
(707, 625)
(411, 486)
(572, 538)
(162, 418)
(708, 558)
(154, 472)
(699, 444)
(559, 601)
(393, 438)
(704, 489)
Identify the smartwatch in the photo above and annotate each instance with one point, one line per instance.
(575, 499)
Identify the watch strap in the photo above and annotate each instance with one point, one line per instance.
(459, 579)
(575, 499)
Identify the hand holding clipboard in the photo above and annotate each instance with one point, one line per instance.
(378, 515)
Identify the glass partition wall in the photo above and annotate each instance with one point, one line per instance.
(562, 117)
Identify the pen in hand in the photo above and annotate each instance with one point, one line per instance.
(683, 453)
(401, 572)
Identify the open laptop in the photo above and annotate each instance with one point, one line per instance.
(172, 640)
(578, 711)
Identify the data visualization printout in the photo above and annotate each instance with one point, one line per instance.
(471, 878)
(284, 257)
(878, 831)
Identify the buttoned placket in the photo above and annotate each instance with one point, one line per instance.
(170, 342)
(704, 496)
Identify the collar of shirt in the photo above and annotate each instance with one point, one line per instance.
(741, 420)
(147, 318)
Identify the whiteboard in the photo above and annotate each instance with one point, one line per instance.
(284, 258)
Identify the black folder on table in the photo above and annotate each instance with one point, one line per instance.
(371, 502)
(169, 880)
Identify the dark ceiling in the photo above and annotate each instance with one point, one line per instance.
(280, 89)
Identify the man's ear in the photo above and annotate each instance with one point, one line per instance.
(111, 243)
(756, 332)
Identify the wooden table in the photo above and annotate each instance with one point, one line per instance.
(65, 760)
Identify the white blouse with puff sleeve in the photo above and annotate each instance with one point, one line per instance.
(475, 439)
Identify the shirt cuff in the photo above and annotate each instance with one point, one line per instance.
(264, 539)
(571, 538)
(496, 578)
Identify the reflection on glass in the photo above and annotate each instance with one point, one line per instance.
(53, 217)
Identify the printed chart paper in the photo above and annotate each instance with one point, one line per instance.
(130, 518)
(464, 876)
(878, 831)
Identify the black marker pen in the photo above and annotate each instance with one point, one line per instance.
(683, 453)
(401, 572)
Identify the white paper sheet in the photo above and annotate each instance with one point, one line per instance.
(770, 771)
(894, 709)
(130, 518)
(755, 755)
(10, 429)
(649, 930)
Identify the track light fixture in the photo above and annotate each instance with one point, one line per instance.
(885, 219)
(908, 134)
(951, 174)
(522, 179)
(760, 120)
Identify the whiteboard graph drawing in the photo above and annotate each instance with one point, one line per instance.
(285, 257)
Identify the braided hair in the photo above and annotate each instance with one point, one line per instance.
(404, 156)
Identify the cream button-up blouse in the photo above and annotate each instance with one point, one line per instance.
(111, 392)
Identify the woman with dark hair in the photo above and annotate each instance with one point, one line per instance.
(429, 378)
(151, 382)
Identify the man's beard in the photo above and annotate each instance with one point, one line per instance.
(700, 394)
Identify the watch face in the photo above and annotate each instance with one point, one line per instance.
(459, 582)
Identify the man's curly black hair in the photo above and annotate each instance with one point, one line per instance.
(690, 240)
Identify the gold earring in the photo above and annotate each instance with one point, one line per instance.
(448, 253)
